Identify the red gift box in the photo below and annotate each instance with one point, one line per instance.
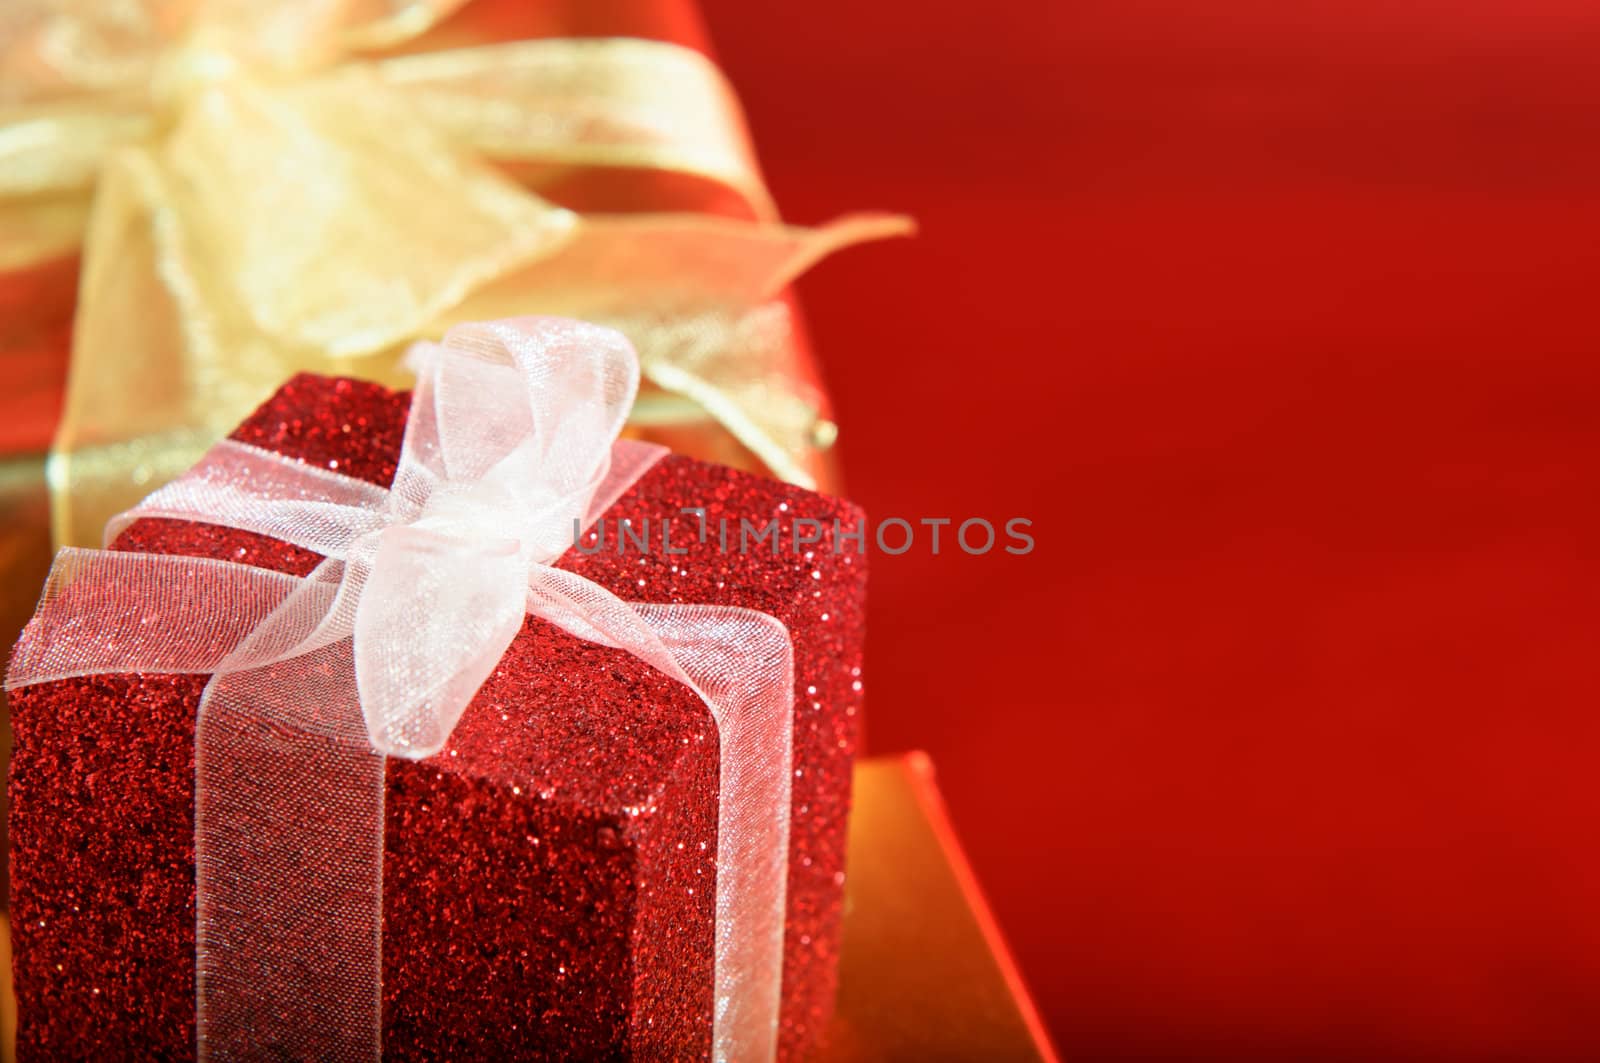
(548, 877)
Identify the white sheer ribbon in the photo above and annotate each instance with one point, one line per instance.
(512, 438)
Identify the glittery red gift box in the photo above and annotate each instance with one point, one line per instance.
(549, 876)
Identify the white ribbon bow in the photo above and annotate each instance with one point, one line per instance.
(511, 447)
(507, 452)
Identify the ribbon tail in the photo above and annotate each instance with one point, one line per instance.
(701, 300)
(460, 601)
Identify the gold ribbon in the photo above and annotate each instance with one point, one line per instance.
(262, 188)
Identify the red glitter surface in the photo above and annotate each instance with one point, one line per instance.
(549, 877)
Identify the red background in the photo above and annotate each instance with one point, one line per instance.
(1279, 322)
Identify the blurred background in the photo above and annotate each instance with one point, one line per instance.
(1279, 322)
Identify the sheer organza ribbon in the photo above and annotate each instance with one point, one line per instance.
(511, 446)
(261, 188)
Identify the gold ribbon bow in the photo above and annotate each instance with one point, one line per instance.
(262, 188)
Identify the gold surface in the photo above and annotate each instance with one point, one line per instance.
(924, 975)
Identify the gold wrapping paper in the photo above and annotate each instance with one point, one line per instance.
(266, 188)
(924, 973)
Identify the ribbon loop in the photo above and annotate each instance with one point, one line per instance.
(434, 618)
